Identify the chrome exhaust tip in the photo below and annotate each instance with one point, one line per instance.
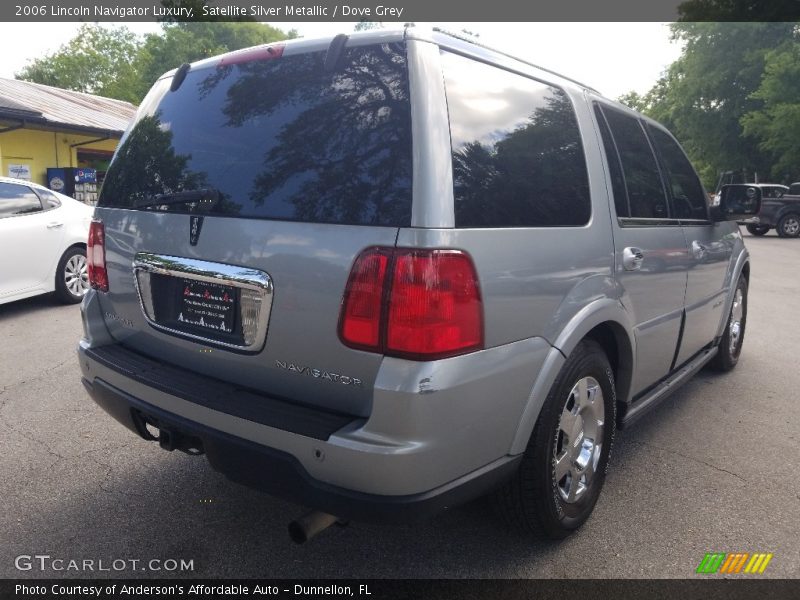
(306, 527)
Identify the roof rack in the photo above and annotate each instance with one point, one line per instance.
(474, 42)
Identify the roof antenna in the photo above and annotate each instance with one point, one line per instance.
(335, 50)
(179, 76)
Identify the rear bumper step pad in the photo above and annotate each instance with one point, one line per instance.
(220, 396)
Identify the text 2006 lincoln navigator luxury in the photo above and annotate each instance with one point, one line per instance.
(387, 273)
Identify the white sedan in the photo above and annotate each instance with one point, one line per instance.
(42, 242)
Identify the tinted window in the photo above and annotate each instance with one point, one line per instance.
(17, 200)
(517, 155)
(646, 199)
(49, 199)
(773, 192)
(614, 167)
(278, 139)
(688, 196)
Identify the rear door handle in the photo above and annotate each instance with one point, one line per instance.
(54, 225)
(632, 259)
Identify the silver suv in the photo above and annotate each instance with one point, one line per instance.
(387, 273)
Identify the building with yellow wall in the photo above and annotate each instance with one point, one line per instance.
(43, 127)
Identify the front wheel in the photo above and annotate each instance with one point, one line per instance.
(758, 230)
(564, 465)
(789, 225)
(72, 278)
(730, 346)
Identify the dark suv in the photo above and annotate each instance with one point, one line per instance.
(780, 210)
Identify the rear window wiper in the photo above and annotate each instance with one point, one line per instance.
(207, 197)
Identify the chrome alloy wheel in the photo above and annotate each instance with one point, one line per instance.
(791, 226)
(735, 324)
(579, 440)
(76, 276)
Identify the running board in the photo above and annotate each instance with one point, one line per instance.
(666, 387)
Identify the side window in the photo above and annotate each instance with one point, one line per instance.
(773, 192)
(518, 159)
(49, 199)
(615, 170)
(645, 193)
(688, 196)
(17, 200)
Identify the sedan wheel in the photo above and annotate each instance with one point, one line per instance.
(72, 276)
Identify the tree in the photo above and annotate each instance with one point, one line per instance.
(180, 43)
(738, 10)
(704, 96)
(113, 62)
(634, 100)
(98, 60)
(777, 126)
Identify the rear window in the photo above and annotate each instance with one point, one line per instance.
(276, 139)
(518, 159)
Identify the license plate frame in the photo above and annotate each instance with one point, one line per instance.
(161, 284)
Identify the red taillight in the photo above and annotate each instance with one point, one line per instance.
(360, 321)
(96, 257)
(435, 305)
(249, 54)
(417, 304)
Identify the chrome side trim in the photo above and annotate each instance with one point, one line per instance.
(257, 283)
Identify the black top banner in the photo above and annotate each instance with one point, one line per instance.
(400, 11)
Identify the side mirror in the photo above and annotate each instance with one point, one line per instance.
(737, 202)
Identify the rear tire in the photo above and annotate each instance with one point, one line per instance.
(564, 466)
(730, 346)
(789, 226)
(72, 279)
(758, 230)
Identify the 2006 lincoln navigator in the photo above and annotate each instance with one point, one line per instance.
(387, 273)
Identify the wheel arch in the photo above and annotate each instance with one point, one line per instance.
(56, 274)
(608, 323)
(81, 245)
(793, 209)
(741, 269)
(618, 348)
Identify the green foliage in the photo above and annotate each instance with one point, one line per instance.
(776, 126)
(634, 100)
(114, 62)
(98, 60)
(714, 100)
(738, 10)
(180, 43)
